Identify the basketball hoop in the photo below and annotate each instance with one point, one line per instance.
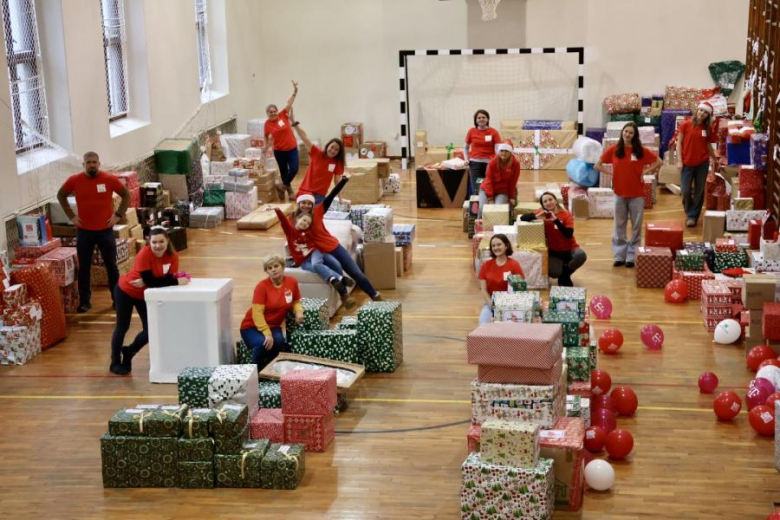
(488, 9)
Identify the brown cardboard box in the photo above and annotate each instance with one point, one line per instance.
(62, 230)
(137, 232)
(730, 173)
(130, 218)
(121, 231)
(379, 261)
(752, 340)
(399, 261)
(669, 175)
(714, 225)
(166, 198)
(176, 185)
(363, 187)
(580, 208)
(373, 149)
(265, 197)
(757, 289)
(351, 154)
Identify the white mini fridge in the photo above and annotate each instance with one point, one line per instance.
(189, 326)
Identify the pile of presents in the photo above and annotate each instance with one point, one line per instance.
(369, 166)
(525, 442)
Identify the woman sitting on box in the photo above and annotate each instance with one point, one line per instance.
(500, 183)
(629, 159)
(480, 147)
(493, 273)
(564, 253)
(694, 153)
(156, 265)
(325, 166)
(280, 138)
(273, 298)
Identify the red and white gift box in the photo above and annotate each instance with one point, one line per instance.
(693, 280)
(520, 375)
(581, 388)
(565, 445)
(19, 344)
(771, 321)
(309, 392)
(521, 345)
(653, 266)
(129, 179)
(726, 245)
(70, 297)
(267, 423)
(42, 285)
(15, 295)
(36, 251)
(664, 234)
(62, 263)
(716, 292)
(25, 315)
(135, 197)
(648, 186)
(315, 432)
(474, 437)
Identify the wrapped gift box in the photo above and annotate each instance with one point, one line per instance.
(315, 317)
(509, 443)
(70, 297)
(199, 449)
(725, 245)
(538, 404)
(163, 421)
(473, 437)
(392, 184)
(129, 179)
(514, 307)
(516, 283)
(542, 149)
(759, 144)
(530, 235)
(380, 333)
(664, 234)
(404, 234)
(570, 325)
(205, 217)
(235, 145)
(495, 215)
(193, 383)
(654, 266)
(622, 104)
(270, 394)
(37, 251)
(771, 321)
(378, 224)
(235, 384)
(283, 466)
(315, 432)
(25, 315)
(338, 345)
(239, 205)
(689, 260)
(578, 365)
(564, 445)
(737, 152)
(724, 261)
(578, 406)
(15, 295)
(267, 423)
(19, 344)
(737, 220)
(309, 392)
(534, 265)
(510, 231)
(693, 280)
(241, 470)
(99, 275)
(520, 375)
(363, 187)
(197, 423)
(176, 156)
(669, 119)
(758, 263)
(648, 187)
(42, 286)
(601, 203)
(716, 292)
(122, 252)
(569, 298)
(129, 461)
(677, 98)
(518, 345)
(196, 475)
(497, 491)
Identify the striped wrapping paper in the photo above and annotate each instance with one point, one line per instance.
(520, 375)
(523, 345)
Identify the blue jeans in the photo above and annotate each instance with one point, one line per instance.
(624, 249)
(288, 164)
(254, 340)
(486, 314)
(324, 265)
(351, 268)
(86, 241)
(693, 179)
(318, 198)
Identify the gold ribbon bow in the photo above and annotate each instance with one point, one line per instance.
(296, 460)
(221, 414)
(140, 417)
(190, 420)
(244, 455)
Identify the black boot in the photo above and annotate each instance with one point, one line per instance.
(564, 280)
(128, 353)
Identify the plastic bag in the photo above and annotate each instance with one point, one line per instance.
(587, 149)
(725, 74)
(582, 173)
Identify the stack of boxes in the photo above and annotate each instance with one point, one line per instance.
(20, 326)
(308, 402)
(404, 236)
(717, 303)
(758, 289)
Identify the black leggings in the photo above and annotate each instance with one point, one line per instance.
(124, 313)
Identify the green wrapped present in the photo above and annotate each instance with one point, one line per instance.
(197, 423)
(593, 349)
(689, 260)
(647, 120)
(196, 475)
(569, 298)
(516, 283)
(578, 406)
(270, 394)
(213, 197)
(194, 386)
(283, 466)
(570, 325)
(230, 420)
(241, 470)
(347, 323)
(243, 353)
(380, 332)
(175, 156)
(578, 363)
(132, 461)
(622, 117)
(724, 261)
(196, 450)
(315, 317)
(231, 445)
(162, 421)
(338, 345)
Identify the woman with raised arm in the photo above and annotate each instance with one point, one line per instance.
(325, 166)
(280, 138)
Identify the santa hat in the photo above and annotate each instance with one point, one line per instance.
(305, 197)
(706, 107)
(505, 146)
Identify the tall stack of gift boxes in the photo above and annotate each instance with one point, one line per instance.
(525, 442)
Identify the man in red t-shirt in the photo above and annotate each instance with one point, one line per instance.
(94, 191)
(694, 153)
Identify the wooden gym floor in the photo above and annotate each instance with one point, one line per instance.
(400, 444)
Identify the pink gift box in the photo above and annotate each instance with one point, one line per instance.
(581, 388)
(521, 345)
(267, 423)
(309, 392)
(520, 376)
(62, 263)
(315, 432)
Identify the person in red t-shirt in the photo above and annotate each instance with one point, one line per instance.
(273, 298)
(94, 191)
(480, 147)
(500, 183)
(493, 273)
(564, 253)
(280, 139)
(630, 161)
(155, 265)
(325, 166)
(694, 153)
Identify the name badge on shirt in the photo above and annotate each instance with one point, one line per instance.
(166, 268)
(633, 157)
(704, 133)
(288, 296)
(101, 188)
(488, 138)
(506, 275)
(331, 167)
(281, 123)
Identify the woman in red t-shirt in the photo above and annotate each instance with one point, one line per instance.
(693, 159)
(325, 166)
(565, 254)
(280, 138)
(493, 273)
(630, 161)
(480, 147)
(154, 266)
(500, 183)
(273, 298)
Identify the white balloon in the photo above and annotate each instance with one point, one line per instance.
(599, 475)
(727, 332)
(770, 372)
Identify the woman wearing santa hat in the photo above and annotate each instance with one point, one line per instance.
(694, 152)
(500, 184)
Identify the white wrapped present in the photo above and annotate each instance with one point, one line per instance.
(770, 250)
(532, 263)
(762, 265)
(601, 203)
(392, 184)
(235, 145)
(19, 344)
(647, 135)
(217, 168)
(207, 217)
(256, 127)
(255, 153)
(614, 129)
(235, 384)
(605, 179)
(239, 205)
(738, 220)
(378, 225)
(509, 231)
(513, 306)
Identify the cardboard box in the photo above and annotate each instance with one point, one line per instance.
(137, 232)
(62, 230)
(121, 231)
(131, 217)
(759, 288)
(580, 208)
(714, 226)
(379, 261)
(399, 261)
(176, 185)
(669, 175)
(754, 338)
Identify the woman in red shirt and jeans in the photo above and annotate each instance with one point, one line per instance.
(564, 253)
(493, 273)
(693, 159)
(501, 179)
(480, 147)
(278, 132)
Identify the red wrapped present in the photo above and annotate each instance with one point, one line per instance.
(648, 187)
(758, 196)
(36, 251)
(315, 432)
(693, 280)
(723, 202)
(25, 315)
(722, 312)
(70, 297)
(510, 344)
(309, 392)
(754, 234)
(770, 321)
(564, 445)
(565, 194)
(726, 245)
(713, 188)
(42, 285)
(129, 179)
(653, 266)
(15, 295)
(664, 234)
(62, 263)
(267, 423)
(520, 376)
(581, 388)
(135, 198)
(473, 437)
(715, 292)
(750, 178)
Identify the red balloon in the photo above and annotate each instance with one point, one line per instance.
(774, 516)
(625, 399)
(770, 401)
(762, 420)
(652, 336)
(757, 394)
(600, 382)
(595, 436)
(601, 307)
(727, 405)
(610, 341)
(619, 444)
(758, 354)
(708, 382)
(676, 291)
(774, 362)
(604, 401)
(604, 419)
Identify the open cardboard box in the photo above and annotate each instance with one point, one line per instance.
(347, 374)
